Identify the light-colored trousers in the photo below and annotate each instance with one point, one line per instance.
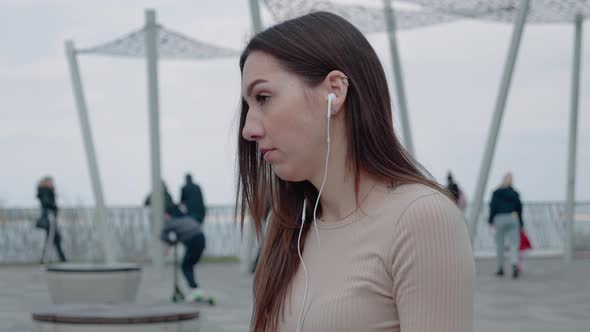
(507, 228)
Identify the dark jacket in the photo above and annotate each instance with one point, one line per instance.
(168, 202)
(185, 229)
(453, 188)
(192, 198)
(46, 197)
(505, 200)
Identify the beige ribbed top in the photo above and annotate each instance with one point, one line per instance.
(406, 266)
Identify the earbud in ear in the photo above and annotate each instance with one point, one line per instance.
(331, 96)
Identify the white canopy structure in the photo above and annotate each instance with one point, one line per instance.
(151, 42)
(520, 12)
(366, 19)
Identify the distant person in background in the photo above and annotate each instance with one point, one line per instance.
(191, 198)
(456, 192)
(168, 202)
(48, 219)
(506, 218)
(189, 233)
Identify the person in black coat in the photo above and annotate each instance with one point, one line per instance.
(453, 187)
(506, 217)
(49, 209)
(168, 202)
(191, 198)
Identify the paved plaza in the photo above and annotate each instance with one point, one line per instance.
(551, 296)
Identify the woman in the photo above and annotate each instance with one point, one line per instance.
(388, 250)
(506, 218)
(46, 197)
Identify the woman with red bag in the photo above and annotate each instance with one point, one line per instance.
(506, 218)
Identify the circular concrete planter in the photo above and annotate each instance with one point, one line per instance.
(93, 283)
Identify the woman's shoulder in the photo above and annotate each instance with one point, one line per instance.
(404, 196)
(425, 217)
(418, 205)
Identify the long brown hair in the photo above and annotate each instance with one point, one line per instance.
(312, 46)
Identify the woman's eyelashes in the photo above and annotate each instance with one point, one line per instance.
(262, 99)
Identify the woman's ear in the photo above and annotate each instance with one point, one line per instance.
(337, 83)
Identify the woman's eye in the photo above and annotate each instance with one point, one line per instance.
(262, 99)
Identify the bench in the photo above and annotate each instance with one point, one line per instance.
(116, 317)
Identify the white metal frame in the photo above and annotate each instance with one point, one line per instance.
(101, 210)
(543, 13)
(141, 43)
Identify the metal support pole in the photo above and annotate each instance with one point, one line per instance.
(255, 15)
(573, 139)
(157, 195)
(398, 76)
(486, 164)
(100, 207)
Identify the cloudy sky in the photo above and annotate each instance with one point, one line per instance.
(452, 74)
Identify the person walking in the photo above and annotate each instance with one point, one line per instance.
(506, 219)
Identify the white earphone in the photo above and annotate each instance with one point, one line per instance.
(331, 97)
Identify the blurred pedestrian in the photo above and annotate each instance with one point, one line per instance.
(189, 233)
(48, 219)
(458, 195)
(506, 217)
(168, 202)
(191, 197)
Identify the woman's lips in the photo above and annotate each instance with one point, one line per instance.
(266, 152)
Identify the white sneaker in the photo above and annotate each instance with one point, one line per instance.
(196, 295)
(199, 295)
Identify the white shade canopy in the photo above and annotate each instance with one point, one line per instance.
(366, 19)
(171, 45)
(540, 11)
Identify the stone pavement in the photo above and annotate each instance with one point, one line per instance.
(549, 297)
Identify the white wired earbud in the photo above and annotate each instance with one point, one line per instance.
(331, 97)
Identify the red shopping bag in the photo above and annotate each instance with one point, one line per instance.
(525, 243)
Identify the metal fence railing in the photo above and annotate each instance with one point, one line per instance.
(545, 225)
(130, 228)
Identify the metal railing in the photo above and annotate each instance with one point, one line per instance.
(129, 227)
(21, 242)
(545, 225)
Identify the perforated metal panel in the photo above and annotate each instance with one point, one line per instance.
(540, 11)
(171, 45)
(367, 19)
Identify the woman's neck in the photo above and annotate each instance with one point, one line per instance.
(338, 197)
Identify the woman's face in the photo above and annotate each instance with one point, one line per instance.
(286, 117)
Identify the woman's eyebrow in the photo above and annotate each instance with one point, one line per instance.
(253, 84)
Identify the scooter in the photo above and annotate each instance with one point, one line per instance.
(177, 295)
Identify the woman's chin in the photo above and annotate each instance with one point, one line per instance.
(287, 173)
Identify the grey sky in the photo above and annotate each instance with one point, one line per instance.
(452, 75)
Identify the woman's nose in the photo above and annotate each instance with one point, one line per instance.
(253, 129)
